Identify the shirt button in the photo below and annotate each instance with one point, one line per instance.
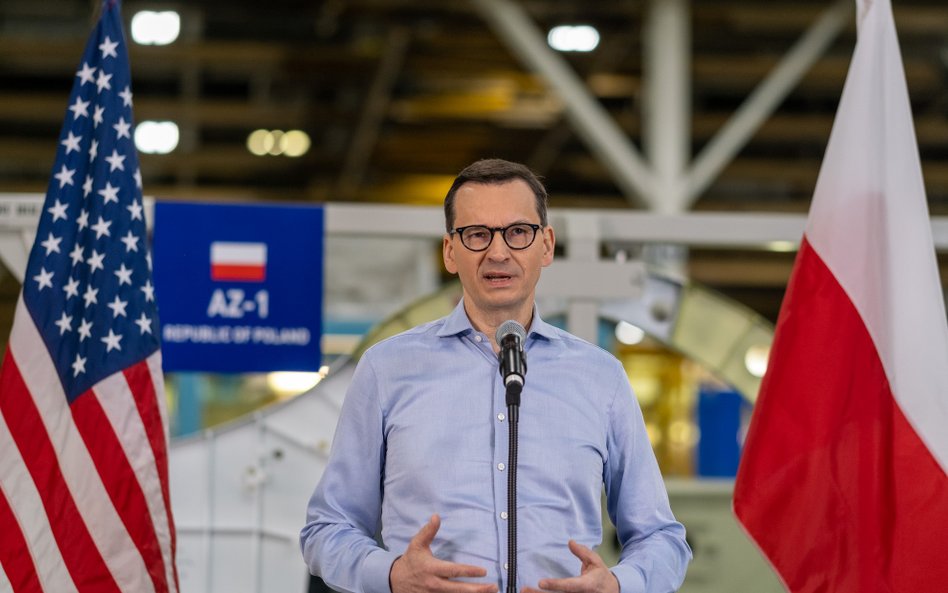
(501, 466)
(505, 566)
(501, 417)
(478, 337)
(503, 515)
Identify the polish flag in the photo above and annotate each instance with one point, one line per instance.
(240, 262)
(843, 481)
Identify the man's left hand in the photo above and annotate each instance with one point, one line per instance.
(595, 576)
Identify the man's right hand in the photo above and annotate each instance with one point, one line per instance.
(418, 571)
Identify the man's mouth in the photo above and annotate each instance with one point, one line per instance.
(497, 277)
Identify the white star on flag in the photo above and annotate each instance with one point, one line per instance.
(108, 48)
(131, 242)
(109, 194)
(51, 244)
(82, 221)
(124, 275)
(117, 306)
(80, 108)
(144, 323)
(44, 279)
(79, 365)
(76, 253)
(95, 260)
(126, 97)
(85, 329)
(72, 288)
(58, 210)
(71, 142)
(98, 116)
(86, 74)
(112, 341)
(103, 81)
(64, 177)
(64, 324)
(122, 128)
(102, 228)
(136, 210)
(116, 161)
(90, 296)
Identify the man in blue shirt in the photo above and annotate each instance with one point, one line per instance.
(420, 450)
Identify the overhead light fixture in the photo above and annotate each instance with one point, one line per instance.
(579, 38)
(285, 383)
(755, 360)
(294, 143)
(629, 334)
(156, 137)
(155, 28)
(782, 246)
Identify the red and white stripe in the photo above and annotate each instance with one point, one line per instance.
(84, 487)
(844, 479)
(243, 262)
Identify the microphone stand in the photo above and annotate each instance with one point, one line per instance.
(513, 415)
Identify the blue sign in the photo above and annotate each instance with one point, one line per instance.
(239, 287)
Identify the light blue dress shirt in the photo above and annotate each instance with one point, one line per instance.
(423, 430)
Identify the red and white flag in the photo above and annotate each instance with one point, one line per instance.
(84, 499)
(843, 481)
(238, 262)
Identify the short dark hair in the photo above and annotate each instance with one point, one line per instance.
(495, 172)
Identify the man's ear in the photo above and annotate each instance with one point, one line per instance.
(549, 242)
(447, 251)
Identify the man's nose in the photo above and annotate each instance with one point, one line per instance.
(498, 249)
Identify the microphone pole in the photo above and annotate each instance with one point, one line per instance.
(513, 368)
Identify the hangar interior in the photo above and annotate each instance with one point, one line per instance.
(680, 154)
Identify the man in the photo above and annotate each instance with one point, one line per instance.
(421, 445)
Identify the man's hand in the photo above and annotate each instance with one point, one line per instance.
(418, 571)
(595, 576)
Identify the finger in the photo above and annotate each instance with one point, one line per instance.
(584, 553)
(451, 570)
(456, 587)
(426, 534)
(567, 585)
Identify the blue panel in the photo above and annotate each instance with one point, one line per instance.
(239, 287)
(719, 420)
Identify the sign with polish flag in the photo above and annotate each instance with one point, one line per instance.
(238, 262)
(843, 481)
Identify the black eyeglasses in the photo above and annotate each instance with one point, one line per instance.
(477, 237)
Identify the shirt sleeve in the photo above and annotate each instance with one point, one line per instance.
(654, 553)
(343, 515)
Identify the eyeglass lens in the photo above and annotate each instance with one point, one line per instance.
(517, 236)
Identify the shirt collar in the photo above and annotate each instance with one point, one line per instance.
(457, 323)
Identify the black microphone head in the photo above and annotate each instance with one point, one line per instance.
(510, 327)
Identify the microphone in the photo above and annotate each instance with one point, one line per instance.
(513, 361)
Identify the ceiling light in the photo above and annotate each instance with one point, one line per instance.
(782, 246)
(581, 38)
(156, 137)
(257, 142)
(629, 334)
(755, 360)
(285, 383)
(295, 143)
(155, 28)
(273, 142)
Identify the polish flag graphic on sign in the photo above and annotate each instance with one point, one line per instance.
(241, 262)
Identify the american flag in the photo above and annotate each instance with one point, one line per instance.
(84, 501)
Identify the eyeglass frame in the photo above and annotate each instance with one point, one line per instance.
(493, 230)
